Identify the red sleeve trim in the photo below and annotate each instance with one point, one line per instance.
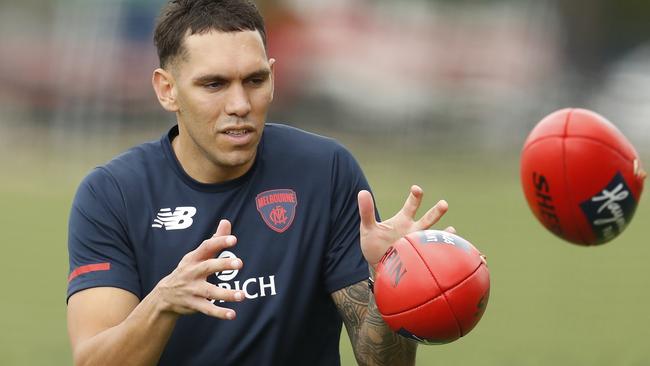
(89, 268)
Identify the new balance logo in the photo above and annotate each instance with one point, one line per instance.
(181, 218)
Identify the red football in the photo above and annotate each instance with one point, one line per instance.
(432, 286)
(582, 178)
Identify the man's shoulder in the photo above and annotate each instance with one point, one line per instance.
(297, 141)
(132, 164)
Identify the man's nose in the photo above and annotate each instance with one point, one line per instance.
(238, 103)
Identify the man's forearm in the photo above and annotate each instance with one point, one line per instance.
(138, 340)
(373, 342)
(377, 344)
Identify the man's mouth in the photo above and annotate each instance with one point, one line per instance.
(239, 135)
(236, 132)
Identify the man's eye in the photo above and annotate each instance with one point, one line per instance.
(215, 85)
(257, 81)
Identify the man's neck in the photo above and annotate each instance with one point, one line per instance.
(195, 163)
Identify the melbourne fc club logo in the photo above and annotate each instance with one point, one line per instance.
(277, 207)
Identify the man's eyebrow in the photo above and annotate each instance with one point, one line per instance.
(262, 73)
(211, 78)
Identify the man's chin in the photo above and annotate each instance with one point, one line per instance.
(237, 161)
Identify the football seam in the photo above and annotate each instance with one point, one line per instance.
(569, 188)
(432, 276)
(443, 292)
(563, 137)
(446, 300)
(564, 171)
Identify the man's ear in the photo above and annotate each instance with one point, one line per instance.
(165, 87)
(272, 62)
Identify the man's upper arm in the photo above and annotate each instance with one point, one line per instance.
(96, 309)
(99, 248)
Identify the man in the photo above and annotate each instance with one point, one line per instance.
(153, 281)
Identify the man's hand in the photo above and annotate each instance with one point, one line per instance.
(376, 237)
(186, 290)
(134, 332)
(374, 343)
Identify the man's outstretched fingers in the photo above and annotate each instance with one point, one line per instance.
(224, 228)
(213, 292)
(211, 246)
(366, 209)
(432, 216)
(413, 201)
(208, 308)
(214, 265)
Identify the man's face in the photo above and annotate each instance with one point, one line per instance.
(223, 88)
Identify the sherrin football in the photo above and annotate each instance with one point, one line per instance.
(432, 286)
(581, 177)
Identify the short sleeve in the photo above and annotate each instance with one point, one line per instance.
(345, 264)
(98, 247)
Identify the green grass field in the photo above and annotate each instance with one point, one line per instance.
(552, 303)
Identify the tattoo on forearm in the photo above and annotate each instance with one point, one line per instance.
(373, 342)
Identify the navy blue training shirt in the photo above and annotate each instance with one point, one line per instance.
(296, 219)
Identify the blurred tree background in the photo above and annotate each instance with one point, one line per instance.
(436, 92)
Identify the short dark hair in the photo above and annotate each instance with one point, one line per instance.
(178, 17)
